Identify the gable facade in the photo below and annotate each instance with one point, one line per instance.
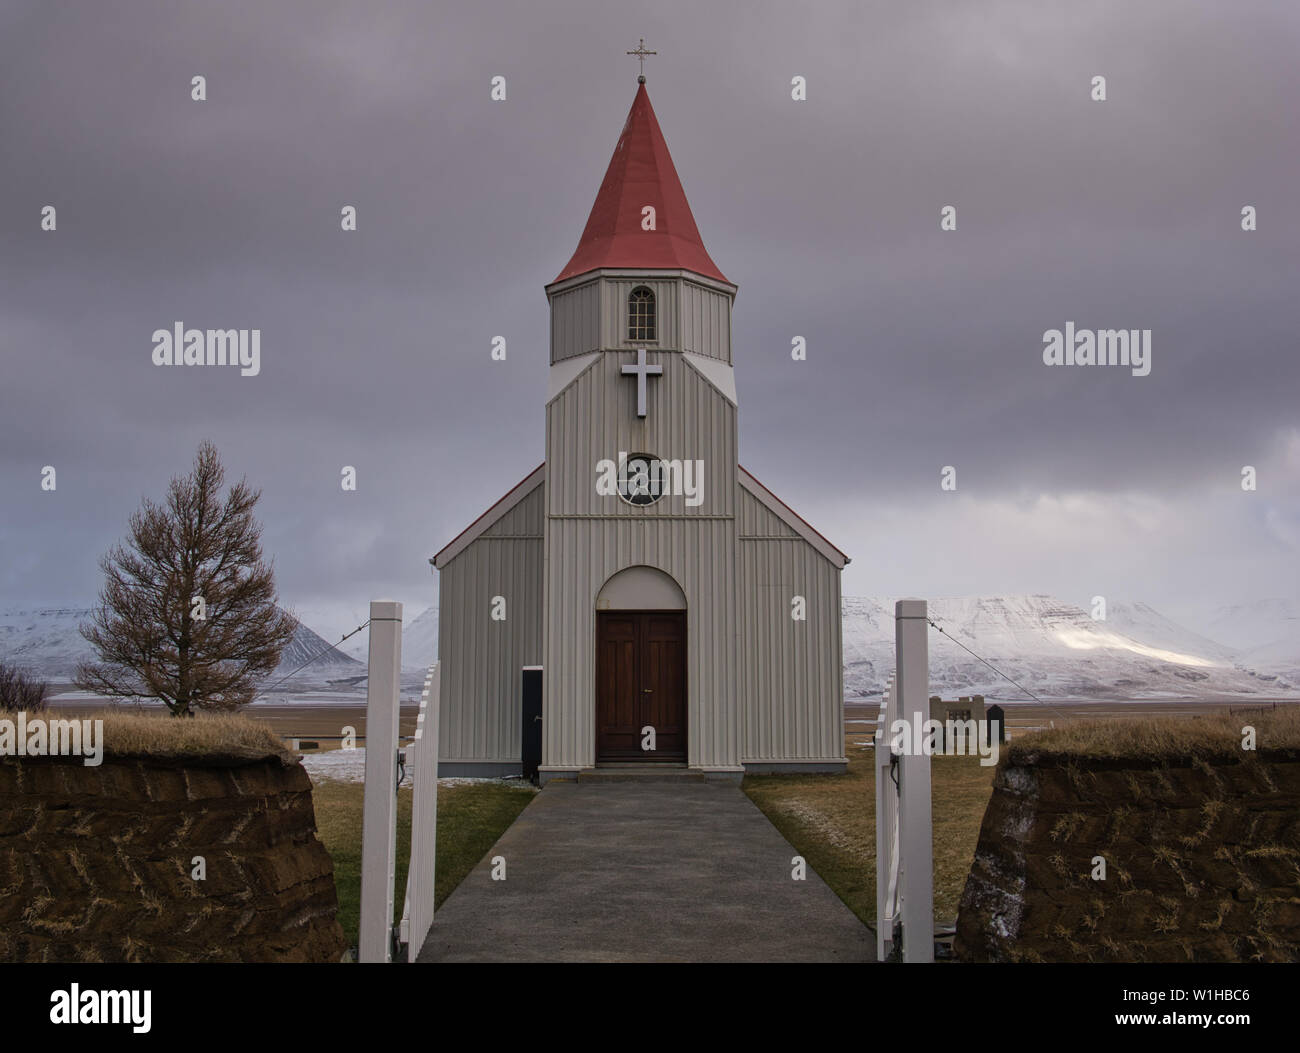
(698, 629)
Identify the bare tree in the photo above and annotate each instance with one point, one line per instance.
(187, 613)
(18, 690)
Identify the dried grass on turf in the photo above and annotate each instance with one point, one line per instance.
(150, 735)
(1210, 737)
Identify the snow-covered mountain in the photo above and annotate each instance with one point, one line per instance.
(1139, 621)
(45, 641)
(1265, 634)
(307, 647)
(1050, 647)
(1054, 649)
(419, 642)
(48, 642)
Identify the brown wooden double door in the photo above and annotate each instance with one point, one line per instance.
(640, 682)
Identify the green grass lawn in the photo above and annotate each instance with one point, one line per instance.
(470, 819)
(831, 821)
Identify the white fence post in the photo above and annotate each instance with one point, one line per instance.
(886, 826)
(916, 849)
(417, 916)
(379, 814)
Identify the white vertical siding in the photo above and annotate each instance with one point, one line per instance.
(582, 555)
(482, 695)
(755, 519)
(589, 537)
(791, 679)
(596, 418)
(593, 316)
(575, 322)
(706, 321)
(614, 296)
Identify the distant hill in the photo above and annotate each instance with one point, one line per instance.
(306, 646)
(1056, 649)
(1053, 648)
(1266, 635)
(48, 642)
(419, 642)
(45, 640)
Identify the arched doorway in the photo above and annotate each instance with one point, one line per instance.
(640, 668)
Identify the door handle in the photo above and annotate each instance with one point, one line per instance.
(647, 691)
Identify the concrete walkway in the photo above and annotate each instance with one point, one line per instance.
(628, 871)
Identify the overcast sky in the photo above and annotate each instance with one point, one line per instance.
(924, 346)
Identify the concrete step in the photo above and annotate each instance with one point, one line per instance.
(641, 773)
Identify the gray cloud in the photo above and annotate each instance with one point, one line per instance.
(924, 347)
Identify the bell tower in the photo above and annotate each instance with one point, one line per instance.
(642, 306)
(641, 464)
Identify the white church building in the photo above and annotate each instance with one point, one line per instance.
(680, 612)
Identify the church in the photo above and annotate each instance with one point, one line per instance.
(676, 611)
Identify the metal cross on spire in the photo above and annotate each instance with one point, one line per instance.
(641, 53)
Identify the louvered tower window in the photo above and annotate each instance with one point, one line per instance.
(641, 314)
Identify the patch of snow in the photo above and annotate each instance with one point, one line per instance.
(350, 766)
(336, 765)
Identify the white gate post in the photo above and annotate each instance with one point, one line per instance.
(421, 875)
(916, 848)
(886, 826)
(379, 814)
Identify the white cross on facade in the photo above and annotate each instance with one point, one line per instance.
(641, 371)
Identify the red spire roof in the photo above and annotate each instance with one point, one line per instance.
(641, 173)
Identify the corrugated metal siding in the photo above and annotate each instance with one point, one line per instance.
(481, 697)
(701, 556)
(790, 678)
(755, 519)
(575, 322)
(593, 316)
(591, 537)
(706, 321)
(526, 519)
(596, 417)
(614, 302)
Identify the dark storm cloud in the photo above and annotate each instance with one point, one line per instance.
(924, 347)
